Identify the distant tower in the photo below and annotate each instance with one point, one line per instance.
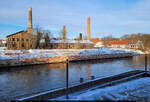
(64, 32)
(30, 29)
(88, 29)
(80, 37)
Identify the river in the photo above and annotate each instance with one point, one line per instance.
(22, 81)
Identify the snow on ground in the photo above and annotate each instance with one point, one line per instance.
(132, 90)
(2, 48)
(129, 50)
(42, 53)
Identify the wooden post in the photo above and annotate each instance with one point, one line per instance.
(81, 80)
(146, 62)
(67, 75)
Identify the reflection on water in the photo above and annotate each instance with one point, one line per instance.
(31, 79)
(88, 71)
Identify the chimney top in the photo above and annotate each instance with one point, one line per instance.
(30, 9)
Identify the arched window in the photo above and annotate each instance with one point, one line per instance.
(22, 45)
(13, 39)
(13, 45)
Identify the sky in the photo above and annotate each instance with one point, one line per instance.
(108, 17)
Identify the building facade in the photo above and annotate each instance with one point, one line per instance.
(22, 39)
(70, 44)
(130, 44)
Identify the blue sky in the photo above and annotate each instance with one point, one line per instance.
(108, 17)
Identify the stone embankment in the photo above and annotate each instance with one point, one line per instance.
(58, 59)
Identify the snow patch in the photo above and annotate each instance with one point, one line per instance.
(130, 90)
(43, 53)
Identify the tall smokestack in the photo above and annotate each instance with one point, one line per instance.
(30, 30)
(88, 29)
(80, 37)
(64, 32)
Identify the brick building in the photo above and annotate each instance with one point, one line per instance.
(22, 39)
(71, 44)
(130, 44)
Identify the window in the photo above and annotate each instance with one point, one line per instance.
(17, 39)
(22, 45)
(13, 39)
(13, 45)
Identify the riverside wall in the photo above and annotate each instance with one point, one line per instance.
(58, 59)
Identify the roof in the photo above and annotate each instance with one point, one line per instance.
(133, 41)
(15, 33)
(70, 41)
(122, 42)
(99, 44)
(95, 40)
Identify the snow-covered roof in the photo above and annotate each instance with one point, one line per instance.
(16, 33)
(99, 44)
(121, 42)
(70, 41)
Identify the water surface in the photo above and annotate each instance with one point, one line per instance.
(28, 80)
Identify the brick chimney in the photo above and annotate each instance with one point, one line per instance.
(80, 36)
(30, 29)
(64, 32)
(88, 29)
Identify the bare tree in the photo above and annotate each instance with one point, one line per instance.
(44, 36)
(47, 37)
(39, 35)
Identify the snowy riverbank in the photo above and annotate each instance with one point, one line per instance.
(44, 53)
(129, 50)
